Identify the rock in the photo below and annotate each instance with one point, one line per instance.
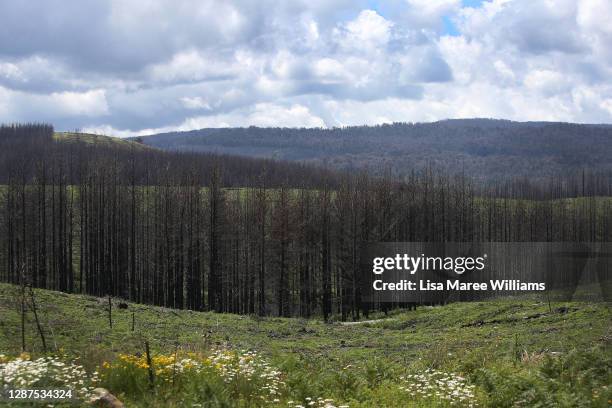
(102, 398)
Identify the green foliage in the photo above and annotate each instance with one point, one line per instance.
(577, 379)
(131, 384)
(557, 359)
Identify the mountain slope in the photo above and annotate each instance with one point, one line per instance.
(98, 140)
(485, 149)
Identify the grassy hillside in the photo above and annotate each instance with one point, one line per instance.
(508, 352)
(98, 140)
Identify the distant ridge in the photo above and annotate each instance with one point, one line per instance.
(488, 149)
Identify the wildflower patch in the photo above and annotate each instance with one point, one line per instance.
(49, 372)
(246, 374)
(438, 385)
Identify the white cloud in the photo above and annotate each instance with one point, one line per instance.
(430, 11)
(607, 105)
(262, 115)
(192, 66)
(292, 116)
(90, 103)
(330, 70)
(22, 106)
(546, 81)
(368, 32)
(195, 102)
(11, 72)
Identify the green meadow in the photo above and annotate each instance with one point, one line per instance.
(500, 353)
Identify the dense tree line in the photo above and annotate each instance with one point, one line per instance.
(24, 149)
(487, 150)
(208, 232)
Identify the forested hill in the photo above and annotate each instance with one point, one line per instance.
(35, 152)
(92, 216)
(482, 148)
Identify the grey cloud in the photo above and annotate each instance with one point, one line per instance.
(126, 35)
(535, 27)
(535, 36)
(592, 73)
(425, 65)
(134, 65)
(120, 36)
(38, 74)
(379, 90)
(149, 57)
(434, 69)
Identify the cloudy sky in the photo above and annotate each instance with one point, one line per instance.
(136, 67)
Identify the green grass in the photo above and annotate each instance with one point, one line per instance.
(512, 350)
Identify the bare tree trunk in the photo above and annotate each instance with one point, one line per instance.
(38, 326)
(110, 312)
